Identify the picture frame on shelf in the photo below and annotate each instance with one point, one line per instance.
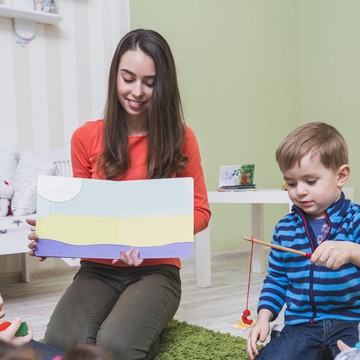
(236, 177)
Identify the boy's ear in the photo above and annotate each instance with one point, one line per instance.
(343, 175)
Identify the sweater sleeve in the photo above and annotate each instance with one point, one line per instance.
(79, 160)
(273, 293)
(86, 145)
(194, 169)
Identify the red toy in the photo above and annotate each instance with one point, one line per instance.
(4, 325)
(245, 321)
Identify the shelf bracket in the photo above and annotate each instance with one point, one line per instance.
(25, 18)
(24, 29)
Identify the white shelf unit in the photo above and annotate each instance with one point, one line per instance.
(30, 15)
(25, 19)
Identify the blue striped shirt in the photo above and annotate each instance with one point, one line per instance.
(309, 291)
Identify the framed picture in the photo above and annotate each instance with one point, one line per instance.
(236, 176)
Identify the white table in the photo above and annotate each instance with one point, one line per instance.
(257, 199)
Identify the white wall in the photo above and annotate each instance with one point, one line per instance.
(57, 81)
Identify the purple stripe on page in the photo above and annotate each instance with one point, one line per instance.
(52, 248)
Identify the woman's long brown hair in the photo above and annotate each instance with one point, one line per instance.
(166, 132)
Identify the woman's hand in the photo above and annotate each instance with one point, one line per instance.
(33, 237)
(130, 257)
(8, 335)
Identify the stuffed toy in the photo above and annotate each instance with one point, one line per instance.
(6, 193)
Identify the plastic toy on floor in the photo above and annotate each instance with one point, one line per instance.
(245, 322)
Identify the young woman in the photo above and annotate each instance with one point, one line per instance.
(123, 305)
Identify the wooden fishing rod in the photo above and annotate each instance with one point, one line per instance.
(274, 246)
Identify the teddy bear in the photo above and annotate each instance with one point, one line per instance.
(6, 193)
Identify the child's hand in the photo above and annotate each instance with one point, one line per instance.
(260, 332)
(334, 254)
(341, 345)
(8, 335)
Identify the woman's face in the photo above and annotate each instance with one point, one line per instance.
(135, 82)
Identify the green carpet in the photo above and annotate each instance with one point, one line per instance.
(184, 341)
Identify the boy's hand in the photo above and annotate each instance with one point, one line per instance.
(260, 332)
(334, 254)
(341, 345)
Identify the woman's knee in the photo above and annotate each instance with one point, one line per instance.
(125, 347)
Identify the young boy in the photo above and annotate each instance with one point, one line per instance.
(321, 293)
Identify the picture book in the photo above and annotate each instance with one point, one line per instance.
(91, 218)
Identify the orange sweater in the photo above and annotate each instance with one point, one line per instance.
(87, 144)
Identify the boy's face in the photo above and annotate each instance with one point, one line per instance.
(312, 187)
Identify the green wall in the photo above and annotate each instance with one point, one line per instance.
(250, 71)
(331, 71)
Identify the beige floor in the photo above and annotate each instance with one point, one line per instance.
(216, 308)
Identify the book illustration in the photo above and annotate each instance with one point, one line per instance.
(96, 218)
(236, 177)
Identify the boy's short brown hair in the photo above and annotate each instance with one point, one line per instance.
(316, 138)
